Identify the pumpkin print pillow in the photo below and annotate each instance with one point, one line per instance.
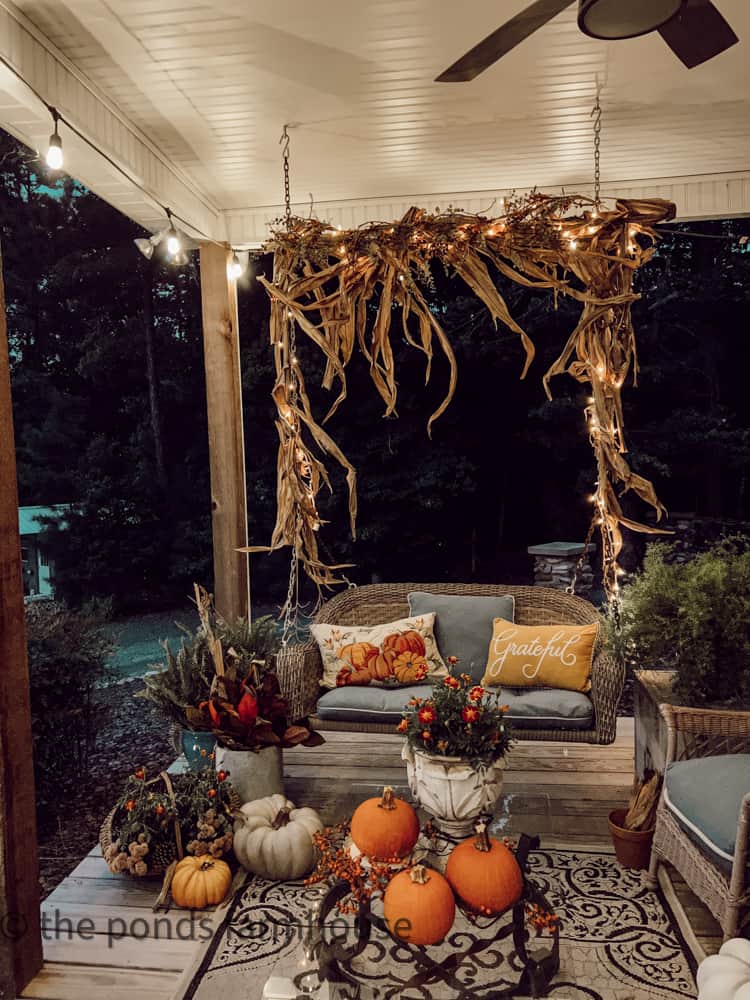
(555, 656)
(397, 653)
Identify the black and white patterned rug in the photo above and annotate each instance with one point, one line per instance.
(618, 941)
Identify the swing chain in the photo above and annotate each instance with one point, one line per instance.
(291, 605)
(596, 114)
(284, 142)
(571, 588)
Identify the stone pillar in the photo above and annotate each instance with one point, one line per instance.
(554, 563)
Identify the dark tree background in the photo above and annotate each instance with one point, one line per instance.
(110, 410)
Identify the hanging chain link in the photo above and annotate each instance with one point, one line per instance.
(596, 114)
(571, 588)
(291, 606)
(284, 141)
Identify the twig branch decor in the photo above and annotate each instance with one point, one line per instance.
(325, 280)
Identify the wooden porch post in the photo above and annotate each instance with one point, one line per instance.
(226, 443)
(20, 929)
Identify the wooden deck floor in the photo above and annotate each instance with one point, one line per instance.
(561, 792)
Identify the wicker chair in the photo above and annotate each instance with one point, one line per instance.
(694, 733)
(300, 667)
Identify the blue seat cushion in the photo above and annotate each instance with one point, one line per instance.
(463, 625)
(530, 708)
(704, 796)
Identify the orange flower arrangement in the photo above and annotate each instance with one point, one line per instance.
(461, 719)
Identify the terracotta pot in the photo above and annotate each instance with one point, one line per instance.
(632, 847)
(451, 790)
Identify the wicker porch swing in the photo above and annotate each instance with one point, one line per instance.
(324, 280)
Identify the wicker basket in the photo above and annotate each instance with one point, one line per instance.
(106, 838)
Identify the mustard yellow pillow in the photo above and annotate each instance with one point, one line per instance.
(556, 656)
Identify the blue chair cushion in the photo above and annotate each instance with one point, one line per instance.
(530, 708)
(704, 796)
(463, 625)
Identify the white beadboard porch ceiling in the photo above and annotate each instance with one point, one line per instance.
(208, 85)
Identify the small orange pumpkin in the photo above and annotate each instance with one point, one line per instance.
(382, 664)
(406, 642)
(418, 906)
(484, 874)
(385, 828)
(409, 667)
(200, 881)
(358, 654)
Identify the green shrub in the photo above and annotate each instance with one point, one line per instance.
(68, 654)
(693, 617)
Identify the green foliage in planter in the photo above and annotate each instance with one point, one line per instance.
(185, 679)
(143, 838)
(68, 655)
(693, 617)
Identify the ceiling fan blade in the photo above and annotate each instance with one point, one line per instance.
(698, 33)
(501, 41)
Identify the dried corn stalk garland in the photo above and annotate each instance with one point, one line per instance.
(325, 279)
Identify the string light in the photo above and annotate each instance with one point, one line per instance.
(239, 263)
(54, 155)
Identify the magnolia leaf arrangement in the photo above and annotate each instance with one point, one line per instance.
(325, 281)
(244, 708)
(184, 680)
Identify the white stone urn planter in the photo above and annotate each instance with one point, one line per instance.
(452, 791)
(253, 774)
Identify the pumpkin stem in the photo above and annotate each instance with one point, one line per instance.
(206, 866)
(419, 875)
(482, 843)
(388, 799)
(282, 818)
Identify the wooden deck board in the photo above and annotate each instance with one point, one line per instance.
(332, 778)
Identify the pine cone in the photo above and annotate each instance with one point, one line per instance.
(164, 854)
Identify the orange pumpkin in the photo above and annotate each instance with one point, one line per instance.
(382, 664)
(385, 828)
(358, 654)
(418, 906)
(200, 881)
(406, 642)
(410, 667)
(484, 874)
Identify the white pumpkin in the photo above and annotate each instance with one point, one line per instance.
(273, 839)
(726, 976)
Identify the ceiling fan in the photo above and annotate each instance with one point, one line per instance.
(693, 29)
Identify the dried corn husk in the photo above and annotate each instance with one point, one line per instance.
(324, 280)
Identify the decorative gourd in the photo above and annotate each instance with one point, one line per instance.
(484, 874)
(273, 839)
(382, 665)
(409, 667)
(358, 654)
(385, 829)
(406, 642)
(726, 976)
(418, 906)
(200, 881)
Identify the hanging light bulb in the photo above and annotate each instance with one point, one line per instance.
(173, 242)
(54, 155)
(236, 267)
